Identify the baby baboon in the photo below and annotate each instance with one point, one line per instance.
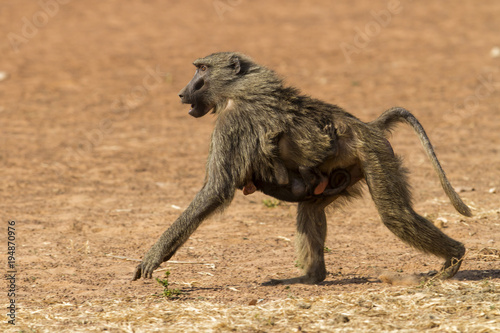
(338, 181)
(250, 101)
(311, 181)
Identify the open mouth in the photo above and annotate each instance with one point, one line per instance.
(198, 109)
(193, 111)
(192, 108)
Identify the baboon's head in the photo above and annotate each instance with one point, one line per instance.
(217, 79)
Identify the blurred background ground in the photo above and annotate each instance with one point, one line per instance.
(98, 157)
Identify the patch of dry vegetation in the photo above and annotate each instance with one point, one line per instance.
(442, 306)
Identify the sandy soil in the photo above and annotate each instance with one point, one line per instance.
(98, 157)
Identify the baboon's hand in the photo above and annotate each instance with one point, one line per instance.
(145, 269)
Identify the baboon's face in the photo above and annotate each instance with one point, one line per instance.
(195, 93)
(214, 81)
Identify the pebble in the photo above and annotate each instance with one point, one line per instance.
(495, 52)
(3, 75)
(441, 222)
(493, 190)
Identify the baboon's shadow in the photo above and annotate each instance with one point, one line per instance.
(476, 275)
(332, 282)
(351, 280)
(464, 275)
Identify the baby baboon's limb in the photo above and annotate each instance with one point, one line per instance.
(314, 181)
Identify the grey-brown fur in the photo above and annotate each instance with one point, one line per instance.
(252, 106)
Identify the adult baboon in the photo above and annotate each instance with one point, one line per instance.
(250, 102)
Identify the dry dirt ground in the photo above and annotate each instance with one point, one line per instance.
(98, 157)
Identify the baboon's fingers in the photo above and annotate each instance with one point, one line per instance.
(142, 271)
(137, 273)
(146, 268)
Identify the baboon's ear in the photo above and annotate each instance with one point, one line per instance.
(236, 64)
(239, 65)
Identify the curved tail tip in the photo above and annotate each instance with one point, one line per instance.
(464, 210)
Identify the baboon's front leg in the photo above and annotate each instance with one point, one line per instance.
(204, 203)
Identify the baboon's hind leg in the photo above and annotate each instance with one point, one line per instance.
(386, 179)
(310, 240)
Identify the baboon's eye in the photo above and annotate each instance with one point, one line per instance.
(203, 68)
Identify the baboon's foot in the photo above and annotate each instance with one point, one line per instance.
(450, 267)
(305, 279)
(452, 264)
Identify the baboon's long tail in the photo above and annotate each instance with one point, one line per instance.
(395, 115)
